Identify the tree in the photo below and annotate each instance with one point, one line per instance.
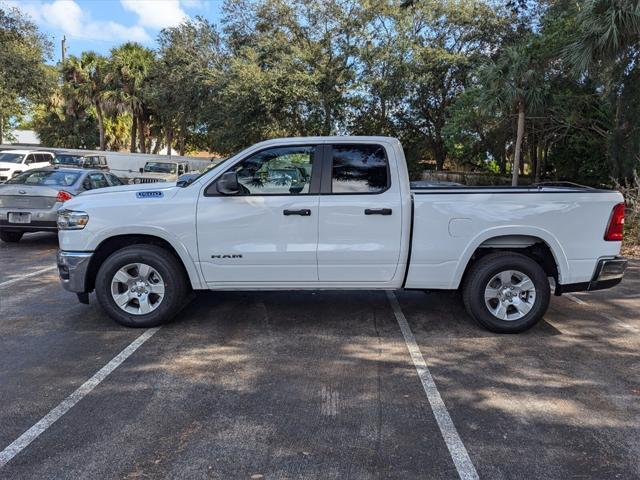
(65, 123)
(606, 47)
(449, 39)
(131, 64)
(513, 83)
(24, 77)
(181, 84)
(85, 78)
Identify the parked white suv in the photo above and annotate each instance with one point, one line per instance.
(13, 162)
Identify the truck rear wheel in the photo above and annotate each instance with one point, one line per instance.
(141, 286)
(506, 292)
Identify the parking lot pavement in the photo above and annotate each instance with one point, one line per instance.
(317, 385)
(34, 255)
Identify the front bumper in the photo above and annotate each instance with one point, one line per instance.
(608, 273)
(72, 269)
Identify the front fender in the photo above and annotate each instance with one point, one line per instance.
(79, 240)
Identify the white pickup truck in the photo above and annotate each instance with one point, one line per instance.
(336, 213)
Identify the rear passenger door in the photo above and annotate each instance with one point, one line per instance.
(360, 218)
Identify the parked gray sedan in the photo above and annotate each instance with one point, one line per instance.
(30, 201)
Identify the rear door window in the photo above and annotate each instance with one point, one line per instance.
(97, 180)
(359, 169)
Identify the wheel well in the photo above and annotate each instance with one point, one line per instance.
(533, 247)
(112, 244)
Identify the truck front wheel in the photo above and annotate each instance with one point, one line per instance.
(141, 286)
(506, 292)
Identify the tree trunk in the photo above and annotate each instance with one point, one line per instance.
(518, 152)
(134, 133)
(100, 116)
(439, 154)
(141, 138)
(158, 144)
(327, 120)
(169, 140)
(1, 128)
(182, 146)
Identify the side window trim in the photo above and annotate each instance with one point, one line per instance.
(327, 171)
(314, 184)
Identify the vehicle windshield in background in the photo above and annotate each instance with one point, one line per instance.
(11, 157)
(46, 178)
(68, 159)
(206, 170)
(160, 167)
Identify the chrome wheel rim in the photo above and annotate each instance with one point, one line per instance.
(510, 295)
(137, 288)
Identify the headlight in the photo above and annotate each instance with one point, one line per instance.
(72, 220)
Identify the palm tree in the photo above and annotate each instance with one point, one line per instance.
(130, 66)
(86, 82)
(606, 46)
(512, 83)
(607, 29)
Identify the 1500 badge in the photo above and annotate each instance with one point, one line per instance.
(151, 194)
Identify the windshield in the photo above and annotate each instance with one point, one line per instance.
(46, 178)
(160, 167)
(68, 159)
(11, 157)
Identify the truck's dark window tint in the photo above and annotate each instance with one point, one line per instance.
(282, 170)
(359, 169)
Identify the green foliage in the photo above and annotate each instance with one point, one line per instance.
(462, 83)
(62, 128)
(24, 77)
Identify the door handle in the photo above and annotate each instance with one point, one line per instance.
(378, 211)
(304, 212)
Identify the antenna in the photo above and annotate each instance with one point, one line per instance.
(64, 47)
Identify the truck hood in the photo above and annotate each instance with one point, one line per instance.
(121, 194)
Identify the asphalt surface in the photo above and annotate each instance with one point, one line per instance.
(315, 385)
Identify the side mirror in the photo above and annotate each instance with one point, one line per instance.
(228, 184)
(141, 170)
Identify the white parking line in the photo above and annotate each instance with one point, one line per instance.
(457, 450)
(575, 299)
(63, 407)
(28, 275)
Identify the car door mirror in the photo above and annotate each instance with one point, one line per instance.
(228, 184)
(141, 170)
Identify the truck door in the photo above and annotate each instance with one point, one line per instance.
(360, 228)
(269, 231)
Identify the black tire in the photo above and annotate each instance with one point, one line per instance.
(167, 265)
(478, 278)
(10, 237)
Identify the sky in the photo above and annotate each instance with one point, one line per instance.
(100, 25)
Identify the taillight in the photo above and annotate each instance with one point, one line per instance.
(615, 229)
(63, 196)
